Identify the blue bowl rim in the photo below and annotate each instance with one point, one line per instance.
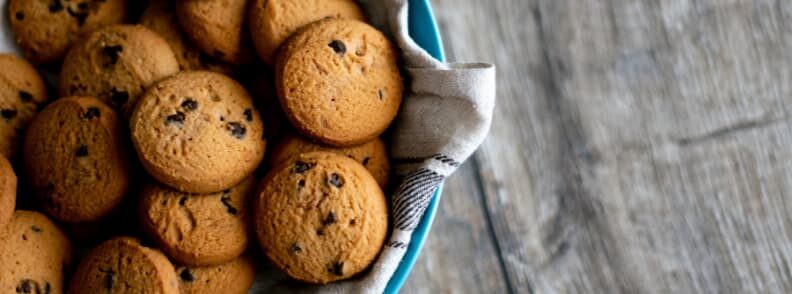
(423, 29)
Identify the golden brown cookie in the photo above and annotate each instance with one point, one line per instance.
(22, 91)
(123, 265)
(77, 159)
(160, 17)
(34, 255)
(321, 217)
(197, 229)
(272, 21)
(198, 132)
(218, 28)
(8, 189)
(233, 277)
(45, 29)
(116, 64)
(338, 81)
(371, 154)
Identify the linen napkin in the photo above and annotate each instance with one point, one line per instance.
(445, 116)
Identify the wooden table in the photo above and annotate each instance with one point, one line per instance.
(637, 147)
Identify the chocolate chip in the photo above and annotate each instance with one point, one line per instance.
(25, 286)
(79, 14)
(352, 222)
(182, 201)
(335, 180)
(295, 248)
(338, 47)
(25, 96)
(337, 268)
(186, 275)
(109, 279)
(301, 183)
(20, 15)
(226, 199)
(35, 229)
(301, 167)
(119, 97)
(47, 288)
(237, 130)
(92, 112)
(113, 52)
(8, 114)
(55, 6)
(381, 94)
(175, 118)
(366, 161)
(249, 114)
(320, 232)
(190, 104)
(82, 151)
(329, 219)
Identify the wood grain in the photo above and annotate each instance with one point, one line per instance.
(637, 147)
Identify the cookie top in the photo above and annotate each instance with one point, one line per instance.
(116, 64)
(22, 91)
(233, 277)
(77, 159)
(122, 264)
(45, 29)
(272, 21)
(371, 154)
(198, 132)
(338, 81)
(34, 256)
(320, 217)
(197, 229)
(160, 17)
(217, 27)
(8, 189)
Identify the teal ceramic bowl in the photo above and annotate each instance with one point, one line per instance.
(423, 30)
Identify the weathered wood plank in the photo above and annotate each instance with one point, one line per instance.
(638, 146)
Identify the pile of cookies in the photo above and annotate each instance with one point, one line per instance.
(161, 120)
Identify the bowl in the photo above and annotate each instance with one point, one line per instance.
(423, 29)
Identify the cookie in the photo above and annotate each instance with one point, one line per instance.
(116, 64)
(272, 21)
(34, 255)
(45, 29)
(320, 217)
(217, 27)
(338, 81)
(197, 229)
(123, 265)
(8, 189)
(22, 91)
(371, 154)
(198, 132)
(233, 277)
(160, 17)
(76, 159)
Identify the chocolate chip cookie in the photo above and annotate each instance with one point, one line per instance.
(197, 229)
(77, 160)
(116, 64)
(372, 154)
(233, 277)
(8, 190)
(218, 28)
(339, 82)
(22, 92)
(123, 265)
(160, 17)
(34, 255)
(45, 29)
(272, 21)
(198, 132)
(320, 217)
